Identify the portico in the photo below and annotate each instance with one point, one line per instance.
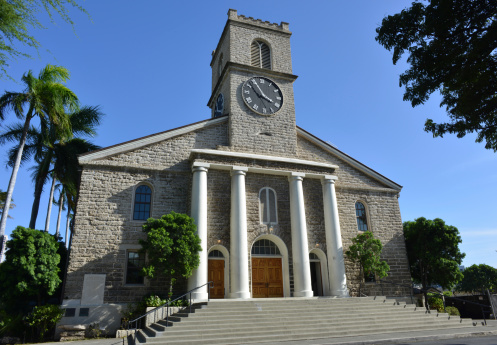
(239, 245)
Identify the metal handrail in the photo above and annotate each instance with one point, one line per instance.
(166, 305)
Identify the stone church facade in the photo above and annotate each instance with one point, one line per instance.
(275, 206)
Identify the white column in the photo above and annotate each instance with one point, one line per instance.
(302, 286)
(239, 265)
(199, 214)
(336, 264)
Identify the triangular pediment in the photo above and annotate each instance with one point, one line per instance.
(352, 171)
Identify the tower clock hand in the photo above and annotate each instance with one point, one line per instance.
(262, 93)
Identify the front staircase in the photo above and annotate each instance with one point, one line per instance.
(285, 319)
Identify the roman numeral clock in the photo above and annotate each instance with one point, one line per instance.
(262, 95)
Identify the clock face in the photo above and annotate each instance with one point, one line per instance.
(218, 110)
(262, 95)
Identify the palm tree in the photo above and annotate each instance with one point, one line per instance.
(66, 167)
(47, 98)
(42, 146)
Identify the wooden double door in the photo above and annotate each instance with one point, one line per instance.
(267, 277)
(216, 275)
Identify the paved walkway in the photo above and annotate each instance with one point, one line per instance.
(373, 339)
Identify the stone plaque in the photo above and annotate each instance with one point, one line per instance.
(93, 289)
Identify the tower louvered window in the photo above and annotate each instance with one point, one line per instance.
(261, 55)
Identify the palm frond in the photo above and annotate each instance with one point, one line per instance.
(54, 74)
(86, 120)
(13, 101)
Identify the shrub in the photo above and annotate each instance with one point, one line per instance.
(435, 302)
(452, 311)
(153, 301)
(94, 330)
(44, 318)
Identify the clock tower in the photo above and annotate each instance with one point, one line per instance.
(252, 83)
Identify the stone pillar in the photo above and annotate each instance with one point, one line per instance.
(199, 214)
(336, 264)
(300, 248)
(239, 265)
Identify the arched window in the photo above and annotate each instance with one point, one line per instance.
(360, 213)
(267, 206)
(261, 55)
(216, 254)
(265, 247)
(143, 200)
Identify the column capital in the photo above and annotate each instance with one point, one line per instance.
(328, 179)
(238, 170)
(200, 166)
(296, 176)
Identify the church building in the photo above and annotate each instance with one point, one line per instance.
(275, 206)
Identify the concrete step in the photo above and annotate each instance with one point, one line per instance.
(287, 335)
(302, 317)
(159, 330)
(266, 320)
(298, 313)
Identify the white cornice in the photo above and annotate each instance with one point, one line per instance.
(349, 160)
(148, 140)
(263, 157)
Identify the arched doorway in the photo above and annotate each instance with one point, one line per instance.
(316, 276)
(319, 272)
(267, 270)
(217, 272)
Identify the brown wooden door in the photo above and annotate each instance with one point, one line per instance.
(216, 274)
(267, 277)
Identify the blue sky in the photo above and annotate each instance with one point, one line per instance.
(147, 65)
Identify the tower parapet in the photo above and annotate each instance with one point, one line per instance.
(233, 15)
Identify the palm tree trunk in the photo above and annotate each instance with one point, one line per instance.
(61, 204)
(47, 221)
(13, 177)
(36, 203)
(67, 223)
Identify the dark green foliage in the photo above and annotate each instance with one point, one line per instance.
(453, 311)
(172, 247)
(366, 250)
(18, 18)
(3, 197)
(451, 47)
(479, 278)
(30, 268)
(435, 302)
(43, 319)
(433, 252)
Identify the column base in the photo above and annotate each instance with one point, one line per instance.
(340, 293)
(200, 296)
(308, 293)
(242, 294)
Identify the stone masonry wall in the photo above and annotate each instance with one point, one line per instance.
(383, 213)
(104, 229)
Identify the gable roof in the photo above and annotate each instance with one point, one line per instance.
(349, 160)
(148, 140)
(158, 137)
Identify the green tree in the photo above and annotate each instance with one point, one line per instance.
(3, 196)
(478, 278)
(433, 252)
(17, 17)
(31, 266)
(172, 247)
(47, 98)
(366, 250)
(53, 155)
(452, 49)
